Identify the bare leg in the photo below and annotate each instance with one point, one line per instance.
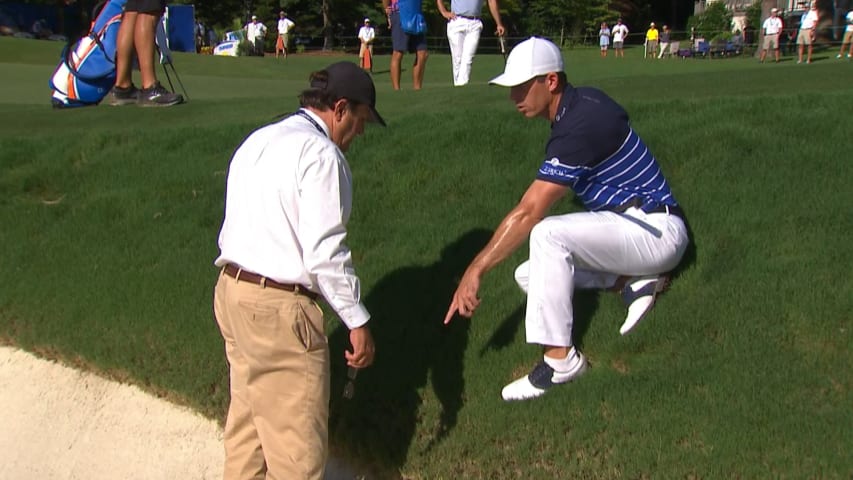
(556, 352)
(124, 50)
(143, 39)
(418, 69)
(396, 58)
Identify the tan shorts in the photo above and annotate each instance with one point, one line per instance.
(805, 37)
(771, 42)
(848, 37)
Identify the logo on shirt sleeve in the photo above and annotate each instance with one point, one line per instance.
(553, 170)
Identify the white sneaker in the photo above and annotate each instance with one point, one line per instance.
(838, 56)
(542, 378)
(639, 296)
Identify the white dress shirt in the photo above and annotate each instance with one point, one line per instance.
(284, 25)
(366, 34)
(287, 203)
(620, 31)
(809, 20)
(255, 30)
(772, 25)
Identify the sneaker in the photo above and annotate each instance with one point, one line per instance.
(639, 296)
(158, 96)
(542, 378)
(123, 96)
(838, 56)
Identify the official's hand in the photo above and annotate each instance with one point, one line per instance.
(465, 300)
(501, 31)
(363, 350)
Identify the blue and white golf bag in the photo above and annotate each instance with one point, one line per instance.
(87, 70)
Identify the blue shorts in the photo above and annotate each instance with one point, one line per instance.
(402, 41)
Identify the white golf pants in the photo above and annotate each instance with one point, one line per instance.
(591, 250)
(463, 34)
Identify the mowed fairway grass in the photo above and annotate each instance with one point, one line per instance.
(110, 219)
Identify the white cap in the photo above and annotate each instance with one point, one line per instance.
(774, 10)
(530, 58)
(254, 17)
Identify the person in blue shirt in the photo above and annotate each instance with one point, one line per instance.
(632, 234)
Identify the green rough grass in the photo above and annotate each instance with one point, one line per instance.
(110, 218)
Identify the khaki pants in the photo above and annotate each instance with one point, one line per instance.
(277, 425)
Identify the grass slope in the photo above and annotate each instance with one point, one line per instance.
(110, 218)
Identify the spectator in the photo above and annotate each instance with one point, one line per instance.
(848, 37)
(620, 33)
(366, 35)
(288, 199)
(200, 36)
(665, 39)
(463, 33)
(633, 226)
(806, 36)
(772, 27)
(136, 34)
(40, 29)
(604, 38)
(212, 40)
(652, 37)
(255, 33)
(403, 42)
(285, 25)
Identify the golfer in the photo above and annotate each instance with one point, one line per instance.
(633, 232)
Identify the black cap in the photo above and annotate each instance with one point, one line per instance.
(348, 80)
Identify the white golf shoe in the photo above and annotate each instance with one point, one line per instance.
(542, 378)
(639, 296)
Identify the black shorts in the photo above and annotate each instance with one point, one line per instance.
(402, 41)
(145, 6)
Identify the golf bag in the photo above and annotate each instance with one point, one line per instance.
(87, 69)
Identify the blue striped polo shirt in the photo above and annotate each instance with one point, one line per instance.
(594, 150)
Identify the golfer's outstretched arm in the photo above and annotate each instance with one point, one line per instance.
(510, 234)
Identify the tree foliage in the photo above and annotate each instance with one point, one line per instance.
(559, 19)
(753, 15)
(714, 22)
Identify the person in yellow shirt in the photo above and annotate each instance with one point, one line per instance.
(651, 41)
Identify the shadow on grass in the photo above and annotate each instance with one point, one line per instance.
(414, 350)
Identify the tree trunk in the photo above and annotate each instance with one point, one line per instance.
(327, 26)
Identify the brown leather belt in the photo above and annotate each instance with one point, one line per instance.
(246, 276)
